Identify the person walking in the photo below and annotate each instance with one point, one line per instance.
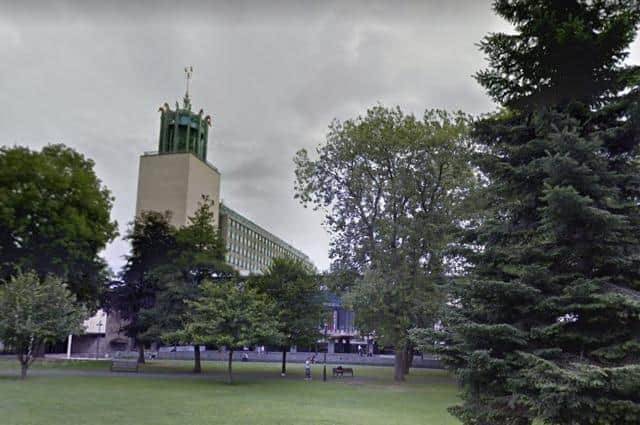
(307, 370)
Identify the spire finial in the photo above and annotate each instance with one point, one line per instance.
(188, 72)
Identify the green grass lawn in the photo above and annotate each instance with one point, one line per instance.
(258, 396)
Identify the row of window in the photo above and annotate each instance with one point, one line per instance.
(244, 264)
(250, 263)
(244, 237)
(248, 250)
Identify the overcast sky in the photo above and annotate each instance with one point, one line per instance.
(271, 74)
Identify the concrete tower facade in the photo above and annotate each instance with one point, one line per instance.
(176, 182)
(174, 179)
(177, 176)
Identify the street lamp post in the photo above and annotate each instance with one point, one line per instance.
(326, 341)
(99, 325)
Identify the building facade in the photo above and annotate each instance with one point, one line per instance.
(175, 178)
(176, 182)
(250, 248)
(177, 175)
(103, 336)
(342, 334)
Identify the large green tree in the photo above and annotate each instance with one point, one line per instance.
(54, 217)
(392, 186)
(35, 311)
(548, 326)
(153, 240)
(232, 315)
(198, 255)
(295, 291)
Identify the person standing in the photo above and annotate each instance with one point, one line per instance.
(307, 370)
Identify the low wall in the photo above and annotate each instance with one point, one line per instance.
(337, 358)
(426, 362)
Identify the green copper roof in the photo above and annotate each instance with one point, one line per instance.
(182, 130)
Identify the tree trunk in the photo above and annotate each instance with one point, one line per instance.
(23, 370)
(140, 352)
(196, 359)
(284, 361)
(26, 358)
(230, 360)
(408, 360)
(398, 371)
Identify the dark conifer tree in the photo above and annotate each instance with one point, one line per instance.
(198, 255)
(548, 328)
(152, 240)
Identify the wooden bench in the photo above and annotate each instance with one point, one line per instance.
(337, 373)
(124, 365)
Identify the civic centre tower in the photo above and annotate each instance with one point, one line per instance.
(176, 177)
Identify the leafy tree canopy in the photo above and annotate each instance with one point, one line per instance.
(392, 187)
(54, 217)
(34, 312)
(198, 255)
(295, 292)
(230, 314)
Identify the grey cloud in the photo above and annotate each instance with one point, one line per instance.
(272, 74)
